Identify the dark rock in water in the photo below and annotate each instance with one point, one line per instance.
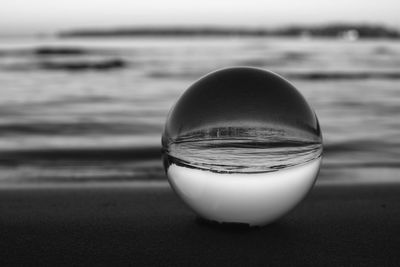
(103, 65)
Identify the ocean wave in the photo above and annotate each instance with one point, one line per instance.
(309, 76)
(343, 75)
(153, 151)
(367, 165)
(361, 145)
(21, 156)
(83, 65)
(98, 65)
(73, 128)
(61, 51)
(55, 51)
(62, 58)
(143, 163)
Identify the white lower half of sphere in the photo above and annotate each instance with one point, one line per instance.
(255, 199)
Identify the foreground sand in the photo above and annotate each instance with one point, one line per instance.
(145, 224)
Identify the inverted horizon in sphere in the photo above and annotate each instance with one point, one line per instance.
(242, 98)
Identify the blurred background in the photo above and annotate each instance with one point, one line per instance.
(86, 85)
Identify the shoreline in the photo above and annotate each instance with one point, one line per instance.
(148, 173)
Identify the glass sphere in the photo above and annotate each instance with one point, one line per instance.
(241, 145)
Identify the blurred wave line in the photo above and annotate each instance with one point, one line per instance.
(146, 152)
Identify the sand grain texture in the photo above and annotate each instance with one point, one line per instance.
(334, 226)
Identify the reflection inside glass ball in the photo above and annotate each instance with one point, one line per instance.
(242, 145)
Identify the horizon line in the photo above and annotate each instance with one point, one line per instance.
(204, 27)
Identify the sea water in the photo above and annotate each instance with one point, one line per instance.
(73, 114)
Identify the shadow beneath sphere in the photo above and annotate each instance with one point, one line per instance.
(275, 227)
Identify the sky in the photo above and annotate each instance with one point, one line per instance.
(47, 16)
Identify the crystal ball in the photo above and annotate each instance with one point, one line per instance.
(242, 145)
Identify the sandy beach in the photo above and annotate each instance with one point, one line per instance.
(141, 224)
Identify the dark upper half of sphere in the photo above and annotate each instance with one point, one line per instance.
(240, 97)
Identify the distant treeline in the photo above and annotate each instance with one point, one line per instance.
(332, 31)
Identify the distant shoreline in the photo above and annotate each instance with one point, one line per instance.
(344, 31)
